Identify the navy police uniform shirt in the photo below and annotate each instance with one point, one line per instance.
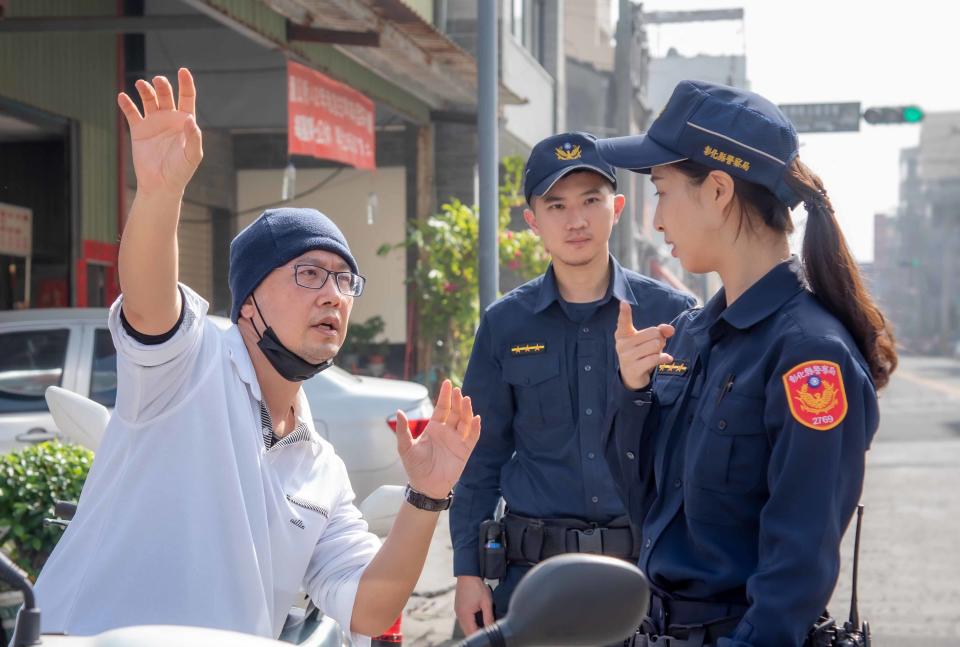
(755, 438)
(539, 377)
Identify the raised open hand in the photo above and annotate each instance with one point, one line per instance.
(435, 460)
(166, 141)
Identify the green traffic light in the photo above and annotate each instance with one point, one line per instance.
(912, 114)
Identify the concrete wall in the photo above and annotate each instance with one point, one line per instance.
(240, 84)
(522, 73)
(73, 75)
(461, 23)
(554, 58)
(939, 154)
(666, 72)
(456, 162)
(588, 33)
(424, 8)
(527, 78)
(588, 99)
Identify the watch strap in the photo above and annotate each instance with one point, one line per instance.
(423, 502)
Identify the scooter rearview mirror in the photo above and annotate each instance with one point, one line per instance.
(380, 509)
(571, 600)
(80, 419)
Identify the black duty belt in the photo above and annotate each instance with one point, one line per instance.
(530, 541)
(687, 623)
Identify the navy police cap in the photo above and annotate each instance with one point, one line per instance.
(559, 155)
(718, 126)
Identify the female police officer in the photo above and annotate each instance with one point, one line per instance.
(745, 460)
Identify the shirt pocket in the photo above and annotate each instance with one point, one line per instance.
(307, 520)
(730, 448)
(541, 395)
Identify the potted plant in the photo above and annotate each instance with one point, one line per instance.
(31, 480)
(361, 342)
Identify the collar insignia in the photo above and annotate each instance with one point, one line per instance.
(527, 349)
(678, 368)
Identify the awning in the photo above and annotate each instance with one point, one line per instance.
(411, 52)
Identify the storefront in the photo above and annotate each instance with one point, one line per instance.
(58, 156)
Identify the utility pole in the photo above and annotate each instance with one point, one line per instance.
(948, 277)
(641, 75)
(622, 240)
(487, 134)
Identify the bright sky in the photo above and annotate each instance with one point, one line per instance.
(879, 53)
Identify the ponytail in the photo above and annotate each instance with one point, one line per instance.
(835, 279)
(831, 272)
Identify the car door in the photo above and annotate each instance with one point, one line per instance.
(35, 355)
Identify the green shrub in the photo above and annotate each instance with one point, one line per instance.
(31, 480)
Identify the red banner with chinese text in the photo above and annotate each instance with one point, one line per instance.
(328, 120)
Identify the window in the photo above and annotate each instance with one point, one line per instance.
(29, 363)
(96, 285)
(516, 18)
(103, 369)
(526, 25)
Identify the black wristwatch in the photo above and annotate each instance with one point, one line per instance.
(423, 502)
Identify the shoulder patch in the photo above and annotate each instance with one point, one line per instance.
(815, 394)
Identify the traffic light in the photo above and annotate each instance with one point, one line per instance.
(893, 115)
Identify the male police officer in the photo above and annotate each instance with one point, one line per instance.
(212, 499)
(542, 366)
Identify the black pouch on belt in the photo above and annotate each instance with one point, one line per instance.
(493, 550)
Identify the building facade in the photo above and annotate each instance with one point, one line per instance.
(917, 274)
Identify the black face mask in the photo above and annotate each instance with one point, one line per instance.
(288, 364)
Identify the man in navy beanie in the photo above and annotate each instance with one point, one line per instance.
(212, 500)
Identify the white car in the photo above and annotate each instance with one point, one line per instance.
(71, 348)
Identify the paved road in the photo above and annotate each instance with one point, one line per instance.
(910, 549)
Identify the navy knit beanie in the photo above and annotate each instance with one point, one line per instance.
(273, 239)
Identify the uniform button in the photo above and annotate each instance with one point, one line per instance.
(586, 330)
(595, 500)
(631, 455)
(677, 483)
(647, 543)
(589, 412)
(587, 368)
(526, 380)
(723, 424)
(591, 455)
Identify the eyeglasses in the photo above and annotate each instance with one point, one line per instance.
(314, 277)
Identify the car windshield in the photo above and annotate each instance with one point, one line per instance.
(30, 362)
